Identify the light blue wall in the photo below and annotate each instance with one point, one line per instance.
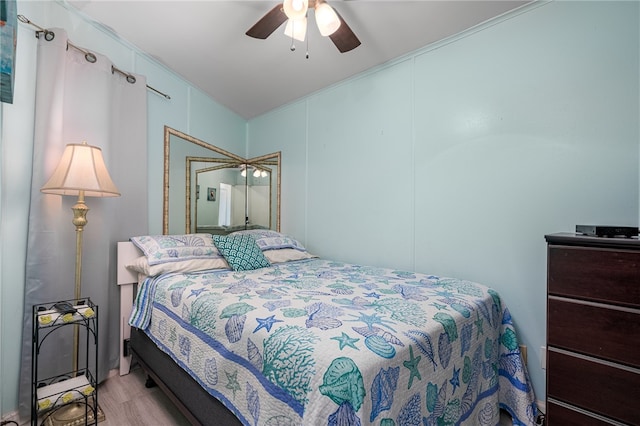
(188, 110)
(459, 158)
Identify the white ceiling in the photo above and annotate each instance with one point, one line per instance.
(205, 42)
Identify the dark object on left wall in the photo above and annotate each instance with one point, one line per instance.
(8, 43)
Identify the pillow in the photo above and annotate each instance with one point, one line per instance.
(286, 255)
(171, 248)
(271, 240)
(241, 252)
(141, 266)
(258, 233)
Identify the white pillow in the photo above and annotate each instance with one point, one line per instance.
(271, 240)
(141, 266)
(286, 255)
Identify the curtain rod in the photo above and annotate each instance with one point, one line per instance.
(90, 57)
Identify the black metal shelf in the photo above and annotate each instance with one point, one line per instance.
(78, 386)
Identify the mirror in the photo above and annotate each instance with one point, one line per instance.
(210, 190)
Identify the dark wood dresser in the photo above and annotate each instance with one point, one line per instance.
(593, 330)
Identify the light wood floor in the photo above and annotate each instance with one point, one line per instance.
(127, 402)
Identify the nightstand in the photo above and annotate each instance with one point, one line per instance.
(55, 396)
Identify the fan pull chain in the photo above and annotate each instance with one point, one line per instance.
(293, 28)
(307, 31)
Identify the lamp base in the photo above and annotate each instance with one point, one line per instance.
(73, 415)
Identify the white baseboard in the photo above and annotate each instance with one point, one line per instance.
(542, 406)
(14, 416)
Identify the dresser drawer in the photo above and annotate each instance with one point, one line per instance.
(602, 275)
(604, 332)
(594, 386)
(558, 415)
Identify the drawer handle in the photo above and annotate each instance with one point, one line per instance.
(596, 304)
(595, 360)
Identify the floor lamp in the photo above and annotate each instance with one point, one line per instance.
(82, 173)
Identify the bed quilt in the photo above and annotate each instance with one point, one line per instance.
(324, 342)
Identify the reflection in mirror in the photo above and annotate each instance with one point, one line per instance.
(210, 190)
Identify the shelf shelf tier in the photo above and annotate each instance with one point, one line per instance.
(60, 393)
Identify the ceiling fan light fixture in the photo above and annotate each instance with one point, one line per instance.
(296, 28)
(327, 19)
(295, 9)
(329, 22)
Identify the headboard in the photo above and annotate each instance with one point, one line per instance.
(127, 280)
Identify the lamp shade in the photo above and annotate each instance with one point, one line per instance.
(81, 168)
(295, 9)
(296, 28)
(327, 19)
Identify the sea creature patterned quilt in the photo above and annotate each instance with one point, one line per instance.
(323, 342)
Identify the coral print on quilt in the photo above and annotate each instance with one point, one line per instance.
(314, 341)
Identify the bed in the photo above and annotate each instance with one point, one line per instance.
(252, 329)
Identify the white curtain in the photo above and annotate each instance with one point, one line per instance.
(77, 100)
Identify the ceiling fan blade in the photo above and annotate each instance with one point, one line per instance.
(268, 23)
(344, 38)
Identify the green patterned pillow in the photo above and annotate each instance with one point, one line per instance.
(241, 252)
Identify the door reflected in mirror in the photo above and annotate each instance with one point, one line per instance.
(210, 190)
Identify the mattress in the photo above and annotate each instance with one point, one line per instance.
(317, 341)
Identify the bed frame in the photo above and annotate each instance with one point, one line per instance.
(197, 405)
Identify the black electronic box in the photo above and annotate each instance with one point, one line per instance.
(607, 231)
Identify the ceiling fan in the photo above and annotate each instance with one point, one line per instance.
(329, 22)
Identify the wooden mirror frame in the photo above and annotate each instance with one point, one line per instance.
(273, 159)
